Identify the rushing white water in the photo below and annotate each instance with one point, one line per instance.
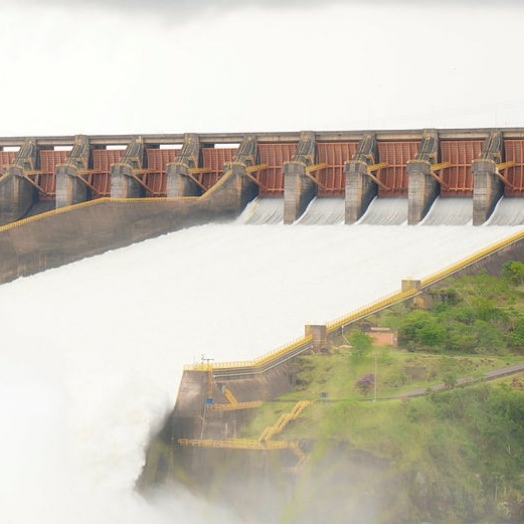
(391, 211)
(263, 211)
(324, 211)
(508, 211)
(92, 353)
(450, 211)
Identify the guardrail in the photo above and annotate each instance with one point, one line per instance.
(80, 205)
(289, 350)
(260, 364)
(382, 303)
(283, 421)
(237, 444)
(479, 255)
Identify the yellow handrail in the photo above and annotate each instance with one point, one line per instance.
(256, 363)
(373, 307)
(88, 203)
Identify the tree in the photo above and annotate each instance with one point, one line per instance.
(513, 272)
(361, 342)
(423, 329)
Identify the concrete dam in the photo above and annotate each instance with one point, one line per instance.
(64, 198)
(159, 301)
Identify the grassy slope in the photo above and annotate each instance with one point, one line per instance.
(458, 455)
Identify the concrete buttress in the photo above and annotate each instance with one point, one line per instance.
(180, 182)
(423, 187)
(299, 187)
(360, 188)
(487, 186)
(70, 187)
(124, 181)
(17, 194)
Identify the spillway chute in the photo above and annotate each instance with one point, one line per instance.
(324, 211)
(450, 211)
(386, 212)
(263, 211)
(509, 211)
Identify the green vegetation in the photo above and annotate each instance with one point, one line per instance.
(455, 455)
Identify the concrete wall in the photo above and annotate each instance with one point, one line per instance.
(57, 238)
(360, 191)
(192, 419)
(69, 189)
(423, 189)
(299, 190)
(123, 184)
(487, 190)
(16, 195)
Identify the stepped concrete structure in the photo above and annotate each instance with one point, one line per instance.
(102, 192)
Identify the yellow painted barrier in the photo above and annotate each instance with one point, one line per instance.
(80, 205)
(370, 308)
(284, 420)
(257, 363)
(236, 444)
(364, 311)
(479, 255)
(237, 406)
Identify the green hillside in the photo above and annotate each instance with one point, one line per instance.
(450, 453)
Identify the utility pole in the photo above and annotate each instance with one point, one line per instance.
(375, 381)
(209, 369)
(209, 393)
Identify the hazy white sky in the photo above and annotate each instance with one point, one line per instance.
(179, 66)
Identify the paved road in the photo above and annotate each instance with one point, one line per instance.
(489, 375)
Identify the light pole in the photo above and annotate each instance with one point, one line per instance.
(375, 381)
(209, 369)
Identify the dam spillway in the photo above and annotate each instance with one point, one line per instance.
(250, 247)
(52, 172)
(104, 192)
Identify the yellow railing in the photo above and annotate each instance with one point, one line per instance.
(471, 259)
(253, 404)
(236, 443)
(364, 311)
(257, 363)
(229, 395)
(370, 308)
(284, 420)
(80, 205)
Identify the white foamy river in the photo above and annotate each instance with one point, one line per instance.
(92, 353)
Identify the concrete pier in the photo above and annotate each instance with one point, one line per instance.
(488, 187)
(423, 187)
(299, 187)
(70, 187)
(245, 160)
(124, 180)
(180, 182)
(361, 189)
(17, 193)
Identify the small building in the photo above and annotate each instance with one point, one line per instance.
(383, 336)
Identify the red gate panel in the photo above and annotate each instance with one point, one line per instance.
(6, 158)
(514, 150)
(335, 154)
(394, 177)
(155, 178)
(99, 177)
(272, 178)
(46, 179)
(458, 177)
(214, 160)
